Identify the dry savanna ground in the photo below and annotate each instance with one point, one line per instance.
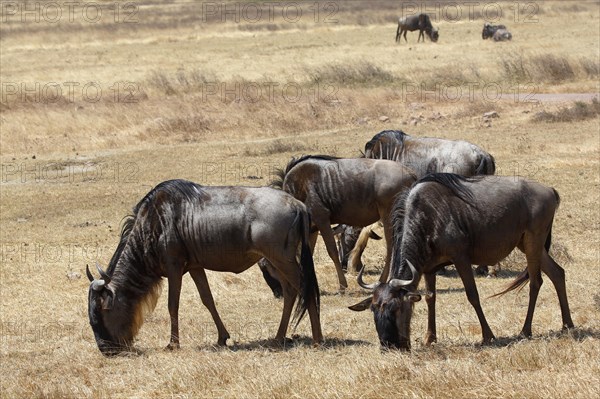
(95, 113)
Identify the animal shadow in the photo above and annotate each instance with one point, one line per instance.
(292, 343)
(576, 334)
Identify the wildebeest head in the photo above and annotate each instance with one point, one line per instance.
(435, 35)
(489, 30)
(392, 307)
(106, 324)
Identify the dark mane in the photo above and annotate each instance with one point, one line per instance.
(398, 215)
(187, 190)
(454, 183)
(398, 136)
(128, 223)
(281, 173)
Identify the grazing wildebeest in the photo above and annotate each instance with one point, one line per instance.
(446, 218)
(425, 155)
(490, 30)
(353, 191)
(181, 227)
(420, 22)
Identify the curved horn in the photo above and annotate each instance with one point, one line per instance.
(360, 281)
(88, 273)
(398, 283)
(103, 274)
(98, 285)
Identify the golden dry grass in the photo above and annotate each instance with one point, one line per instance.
(94, 161)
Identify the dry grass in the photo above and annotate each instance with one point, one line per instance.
(577, 112)
(72, 168)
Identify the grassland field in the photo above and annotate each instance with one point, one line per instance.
(95, 111)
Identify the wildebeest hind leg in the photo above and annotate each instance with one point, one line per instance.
(535, 283)
(466, 274)
(557, 276)
(199, 277)
(289, 298)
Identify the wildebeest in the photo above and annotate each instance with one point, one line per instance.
(420, 22)
(352, 191)
(429, 154)
(425, 155)
(181, 227)
(446, 218)
(496, 32)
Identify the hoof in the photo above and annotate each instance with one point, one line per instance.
(172, 346)
(223, 341)
(567, 327)
(488, 340)
(430, 340)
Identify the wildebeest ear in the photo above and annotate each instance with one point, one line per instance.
(412, 297)
(362, 305)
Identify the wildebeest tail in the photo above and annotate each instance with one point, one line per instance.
(309, 290)
(549, 238)
(518, 282)
(487, 165)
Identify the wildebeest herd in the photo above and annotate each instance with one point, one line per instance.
(422, 23)
(438, 200)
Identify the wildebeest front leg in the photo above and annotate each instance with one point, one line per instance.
(328, 238)
(466, 274)
(431, 336)
(173, 304)
(199, 277)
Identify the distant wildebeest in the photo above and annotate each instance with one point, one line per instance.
(420, 22)
(424, 155)
(353, 191)
(181, 227)
(498, 33)
(489, 30)
(446, 218)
